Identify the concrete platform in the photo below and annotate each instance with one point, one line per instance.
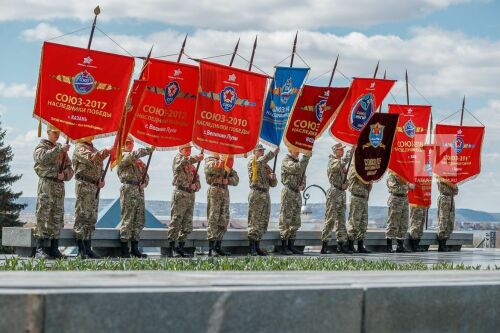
(105, 240)
(439, 301)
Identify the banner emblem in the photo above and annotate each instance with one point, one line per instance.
(409, 129)
(228, 98)
(172, 90)
(83, 83)
(376, 135)
(286, 91)
(458, 144)
(361, 112)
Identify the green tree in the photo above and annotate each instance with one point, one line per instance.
(9, 209)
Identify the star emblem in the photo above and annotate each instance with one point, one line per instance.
(171, 89)
(177, 72)
(410, 110)
(376, 129)
(232, 78)
(327, 93)
(459, 131)
(228, 95)
(372, 85)
(87, 60)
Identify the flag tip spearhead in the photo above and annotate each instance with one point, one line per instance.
(97, 10)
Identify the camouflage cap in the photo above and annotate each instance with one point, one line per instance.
(129, 138)
(52, 128)
(259, 147)
(338, 146)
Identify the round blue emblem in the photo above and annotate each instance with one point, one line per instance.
(83, 83)
(228, 98)
(409, 129)
(171, 91)
(458, 144)
(361, 112)
(319, 109)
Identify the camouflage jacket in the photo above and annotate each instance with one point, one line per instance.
(396, 185)
(356, 186)
(215, 175)
(131, 168)
(336, 171)
(48, 159)
(87, 162)
(446, 188)
(185, 172)
(264, 171)
(293, 171)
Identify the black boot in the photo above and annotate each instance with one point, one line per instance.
(88, 248)
(417, 246)
(401, 246)
(284, 248)
(259, 251)
(413, 244)
(125, 251)
(220, 251)
(343, 248)
(292, 247)
(54, 250)
(350, 246)
(170, 249)
(442, 245)
(181, 251)
(210, 248)
(134, 252)
(362, 248)
(324, 248)
(253, 251)
(82, 252)
(388, 246)
(40, 251)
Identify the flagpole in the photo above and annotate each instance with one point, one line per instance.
(462, 114)
(381, 103)
(407, 91)
(333, 71)
(253, 54)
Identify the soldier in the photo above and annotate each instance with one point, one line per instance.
(397, 217)
(130, 172)
(88, 165)
(417, 221)
(336, 201)
(294, 180)
(261, 177)
(186, 182)
(218, 201)
(358, 211)
(446, 212)
(49, 156)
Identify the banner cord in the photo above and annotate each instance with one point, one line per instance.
(69, 33)
(254, 65)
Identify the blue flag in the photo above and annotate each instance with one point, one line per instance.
(280, 102)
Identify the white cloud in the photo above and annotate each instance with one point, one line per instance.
(239, 14)
(42, 31)
(15, 90)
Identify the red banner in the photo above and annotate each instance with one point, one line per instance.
(229, 109)
(409, 139)
(82, 92)
(165, 117)
(127, 120)
(364, 97)
(458, 152)
(421, 195)
(335, 100)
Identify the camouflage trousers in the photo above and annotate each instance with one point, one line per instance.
(133, 212)
(289, 222)
(181, 215)
(217, 212)
(49, 209)
(417, 221)
(86, 206)
(358, 218)
(397, 217)
(259, 210)
(335, 215)
(446, 216)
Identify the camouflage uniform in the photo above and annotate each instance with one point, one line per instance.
(182, 206)
(217, 198)
(335, 201)
(417, 221)
(292, 176)
(446, 209)
(50, 193)
(259, 201)
(130, 171)
(87, 162)
(397, 218)
(358, 207)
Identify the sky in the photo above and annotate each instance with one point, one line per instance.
(451, 49)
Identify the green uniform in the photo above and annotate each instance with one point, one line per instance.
(218, 198)
(50, 193)
(358, 207)
(88, 165)
(335, 201)
(182, 205)
(133, 211)
(446, 209)
(292, 177)
(417, 221)
(397, 218)
(259, 201)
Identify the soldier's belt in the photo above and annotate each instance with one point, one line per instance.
(185, 189)
(222, 186)
(132, 182)
(338, 188)
(54, 179)
(257, 188)
(399, 195)
(359, 196)
(87, 180)
(292, 189)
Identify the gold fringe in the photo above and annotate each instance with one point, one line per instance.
(255, 176)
